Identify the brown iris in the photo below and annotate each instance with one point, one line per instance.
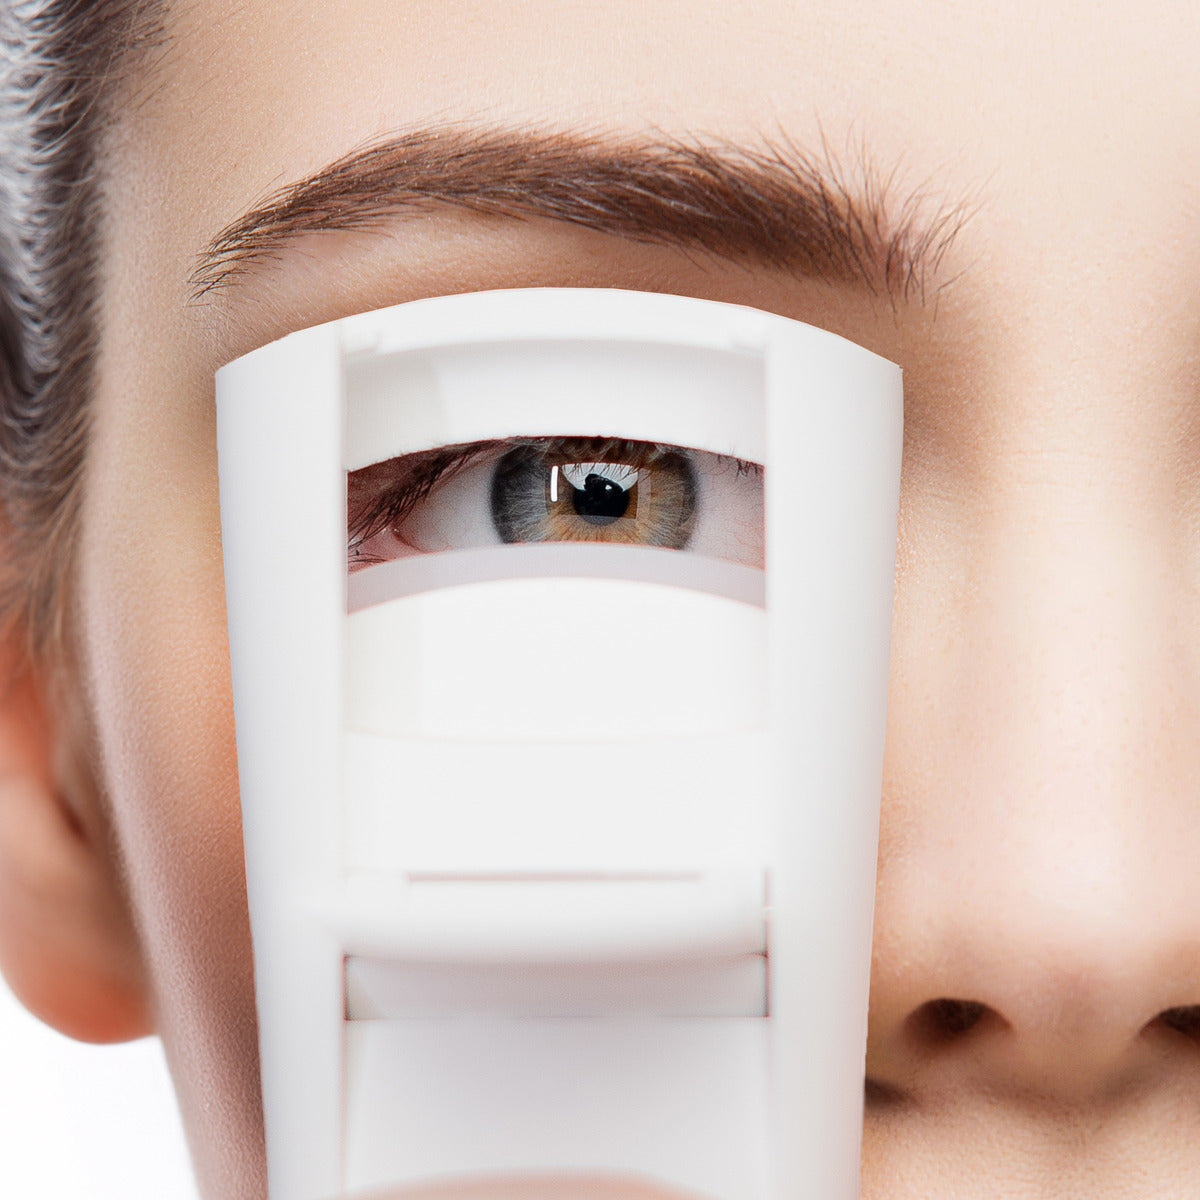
(594, 490)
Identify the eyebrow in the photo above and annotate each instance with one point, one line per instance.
(774, 205)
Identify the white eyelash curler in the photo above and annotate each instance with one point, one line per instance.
(561, 857)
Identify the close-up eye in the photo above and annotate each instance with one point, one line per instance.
(524, 490)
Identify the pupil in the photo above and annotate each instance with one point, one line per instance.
(600, 501)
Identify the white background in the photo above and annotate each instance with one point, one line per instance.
(85, 1122)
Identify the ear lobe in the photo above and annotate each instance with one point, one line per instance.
(68, 946)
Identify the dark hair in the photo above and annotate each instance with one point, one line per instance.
(62, 62)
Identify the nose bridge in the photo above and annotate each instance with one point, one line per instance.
(1078, 620)
(1067, 837)
(1073, 651)
(1072, 677)
(1068, 615)
(1038, 915)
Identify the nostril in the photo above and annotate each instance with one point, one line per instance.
(1185, 1019)
(945, 1019)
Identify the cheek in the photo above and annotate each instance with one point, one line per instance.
(151, 623)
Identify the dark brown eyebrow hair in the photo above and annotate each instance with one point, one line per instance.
(774, 205)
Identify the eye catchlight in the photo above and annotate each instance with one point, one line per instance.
(559, 626)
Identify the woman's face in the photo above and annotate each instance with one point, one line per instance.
(1041, 804)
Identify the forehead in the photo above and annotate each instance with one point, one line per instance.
(720, 65)
(1071, 136)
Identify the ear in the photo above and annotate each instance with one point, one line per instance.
(68, 946)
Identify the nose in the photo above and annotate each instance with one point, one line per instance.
(1038, 910)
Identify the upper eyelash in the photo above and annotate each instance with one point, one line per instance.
(404, 481)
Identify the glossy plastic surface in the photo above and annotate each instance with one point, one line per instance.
(498, 930)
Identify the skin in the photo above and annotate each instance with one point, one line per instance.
(1040, 823)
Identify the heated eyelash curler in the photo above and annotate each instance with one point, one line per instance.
(561, 858)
